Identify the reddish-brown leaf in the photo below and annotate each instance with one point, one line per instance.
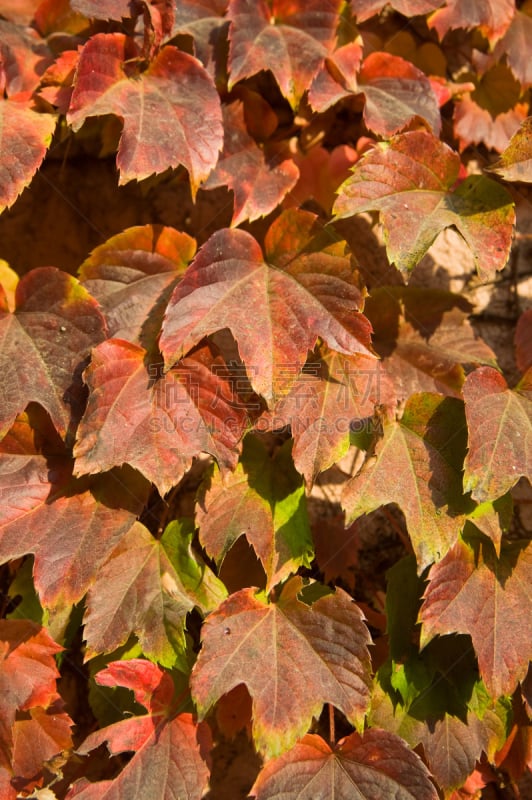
(46, 734)
(247, 640)
(169, 751)
(418, 465)
(411, 181)
(364, 9)
(291, 38)
(320, 174)
(264, 501)
(44, 344)
(373, 766)
(142, 589)
(472, 591)
(331, 398)
(28, 675)
(24, 139)
(499, 421)
(58, 81)
(70, 529)
(205, 21)
(491, 17)
(132, 276)
(258, 184)
(475, 124)
(171, 112)
(19, 11)
(516, 47)
(515, 163)
(24, 57)
(303, 288)
(157, 423)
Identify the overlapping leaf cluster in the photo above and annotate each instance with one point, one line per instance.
(255, 358)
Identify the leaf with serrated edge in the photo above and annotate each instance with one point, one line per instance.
(418, 466)
(169, 752)
(139, 590)
(249, 641)
(499, 421)
(44, 343)
(471, 591)
(364, 9)
(132, 274)
(303, 288)
(70, 529)
(258, 185)
(331, 394)
(264, 501)
(515, 163)
(491, 17)
(410, 180)
(373, 766)
(157, 424)
(290, 38)
(25, 136)
(171, 112)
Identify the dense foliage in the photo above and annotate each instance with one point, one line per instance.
(172, 415)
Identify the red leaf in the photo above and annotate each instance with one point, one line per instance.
(471, 591)
(515, 163)
(19, 11)
(258, 184)
(171, 112)
(58, 81)
(304, 289)
(370, 767)
(262, 500)
(44, 345)
(476, 125)
(24, 56)
(332, 395)
(364, 9)
(491, 17)
(25, 136)
(204, 20)
(168, 751)
(132, 275)
(515, 46)
(411, 181)
(291, 39)
(320, 174)
(28, 675)
(70, 533)
(249, 641)
(417, 465)
(157, 424)
(46, 734)
(140, 589)
(499, 421)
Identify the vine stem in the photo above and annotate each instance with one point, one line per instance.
(332, 732)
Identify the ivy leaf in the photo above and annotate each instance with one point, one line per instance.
(472, 591)
(411, 181)
(171, 112)
(499, 420)
(24, 140)
(112, 9)
(372, 766)
(303, 288)
(44, 735)
(70, 527)
(168, 749)
(132, 274)
(139, 590)
(264, 501)
(515, 47)
(364, 9)
(291, 39)
(247, 640)
(205, 22)
(332, 395)
(418, 466)
(425, 339)
(155, 423)
(491, 17)
(515, 163)
(259, 185)
(44, 344)
(28, 676)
